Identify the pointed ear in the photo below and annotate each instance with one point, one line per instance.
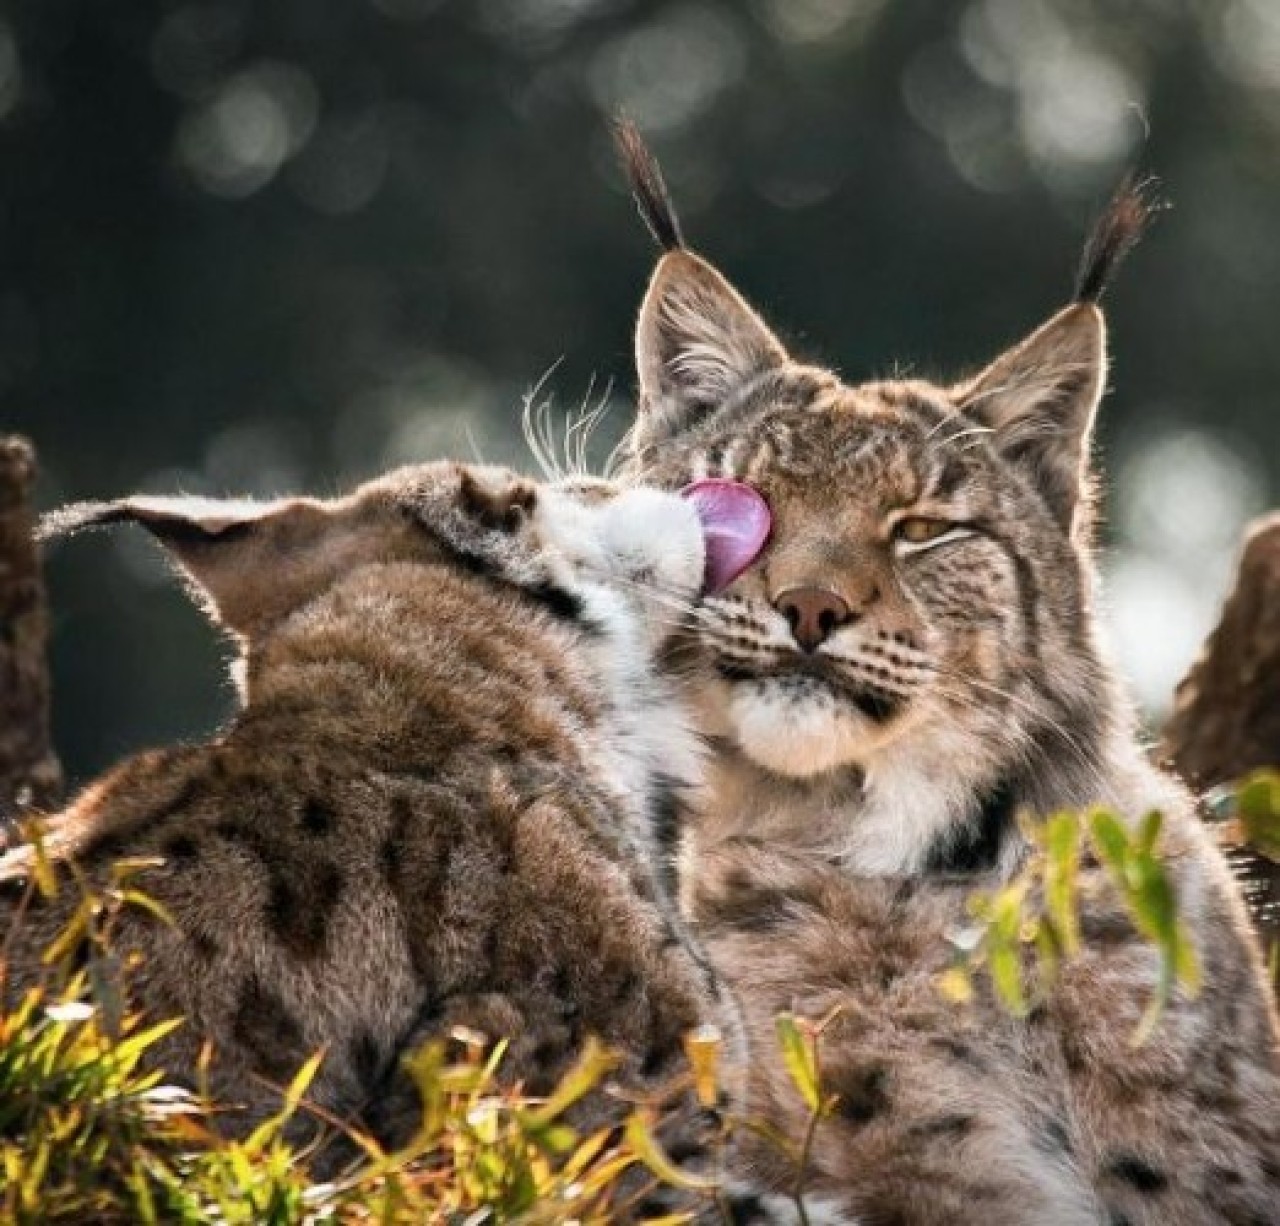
(231, 551)
(697, 343)
(1039, 399)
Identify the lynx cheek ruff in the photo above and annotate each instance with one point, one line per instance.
(736, 522)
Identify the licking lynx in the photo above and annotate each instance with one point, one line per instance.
(440, 805)
(911, 663)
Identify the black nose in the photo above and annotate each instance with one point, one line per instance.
(813, 613)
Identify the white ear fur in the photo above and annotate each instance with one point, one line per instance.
(697, 342)
(223, 546)
(161, 514)
(1039, 400)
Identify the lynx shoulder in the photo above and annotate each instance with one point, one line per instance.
(441, 804)
(914, 660)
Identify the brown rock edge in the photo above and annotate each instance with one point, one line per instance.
(1226, 713)
(29, 772)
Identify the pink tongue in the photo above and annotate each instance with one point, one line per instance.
(736, 522)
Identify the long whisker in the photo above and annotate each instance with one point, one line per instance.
(582, 425)
(535, 424)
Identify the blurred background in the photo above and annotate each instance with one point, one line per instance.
(257, 246)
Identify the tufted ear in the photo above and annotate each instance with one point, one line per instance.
(697, 344)
(1039, 400)
(1040, 397)
(246, 561)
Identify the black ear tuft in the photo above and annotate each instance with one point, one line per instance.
(647, 185)
(1115, 234)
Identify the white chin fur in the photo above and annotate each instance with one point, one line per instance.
(796, 736)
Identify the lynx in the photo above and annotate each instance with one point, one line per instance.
(441, 804)
(912, 662)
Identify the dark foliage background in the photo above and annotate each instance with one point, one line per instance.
(260, 245)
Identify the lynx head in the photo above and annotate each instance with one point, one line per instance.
(606, 559)
(927, 587)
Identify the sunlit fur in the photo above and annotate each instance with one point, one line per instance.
(967, 659)
(861, 792)
(447, 800)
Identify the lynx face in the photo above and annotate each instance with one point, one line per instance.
(924, 571)
(918, 630)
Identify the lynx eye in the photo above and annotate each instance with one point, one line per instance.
(916, 532)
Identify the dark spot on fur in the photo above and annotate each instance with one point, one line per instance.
(863, 1093)
(1117, 1217)
(180, 850)
(300, 904)
(1052, 1137)
(301, 893)
(550, 1049)
(742, 902)
(562, 604)
(204, 946)
(876, 704)
(317, 817)
(1102, 929)
(958, 1051)
(365, 1054)
(665, 1051)
(392, 846)
(1222, 1176)
(1138, 1173)
(975, 847)
(268, 1032)
(13, 888)
(951, 1126)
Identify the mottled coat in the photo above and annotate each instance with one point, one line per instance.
(912, 661)
(440, 805)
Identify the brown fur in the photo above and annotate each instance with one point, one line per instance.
(865, 786)
(431, 811)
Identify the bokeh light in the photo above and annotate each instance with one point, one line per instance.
(251, 248)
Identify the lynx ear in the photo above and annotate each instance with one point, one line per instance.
(697, 343)
(235, 553)
(1039, 399)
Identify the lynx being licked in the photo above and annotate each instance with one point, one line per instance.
(910, 663)
(441, 803)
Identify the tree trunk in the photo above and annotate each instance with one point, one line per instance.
(1226, 715)
(29, 772)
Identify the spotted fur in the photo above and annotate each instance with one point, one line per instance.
(437, 808)
(864, 786)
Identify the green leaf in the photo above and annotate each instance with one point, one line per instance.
(1151, 897)
(800, 1058)
(1258, 808)
(1062, 866)
(1149, 831)
(1110, 839)
(1005, 963)
(645, 1146)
